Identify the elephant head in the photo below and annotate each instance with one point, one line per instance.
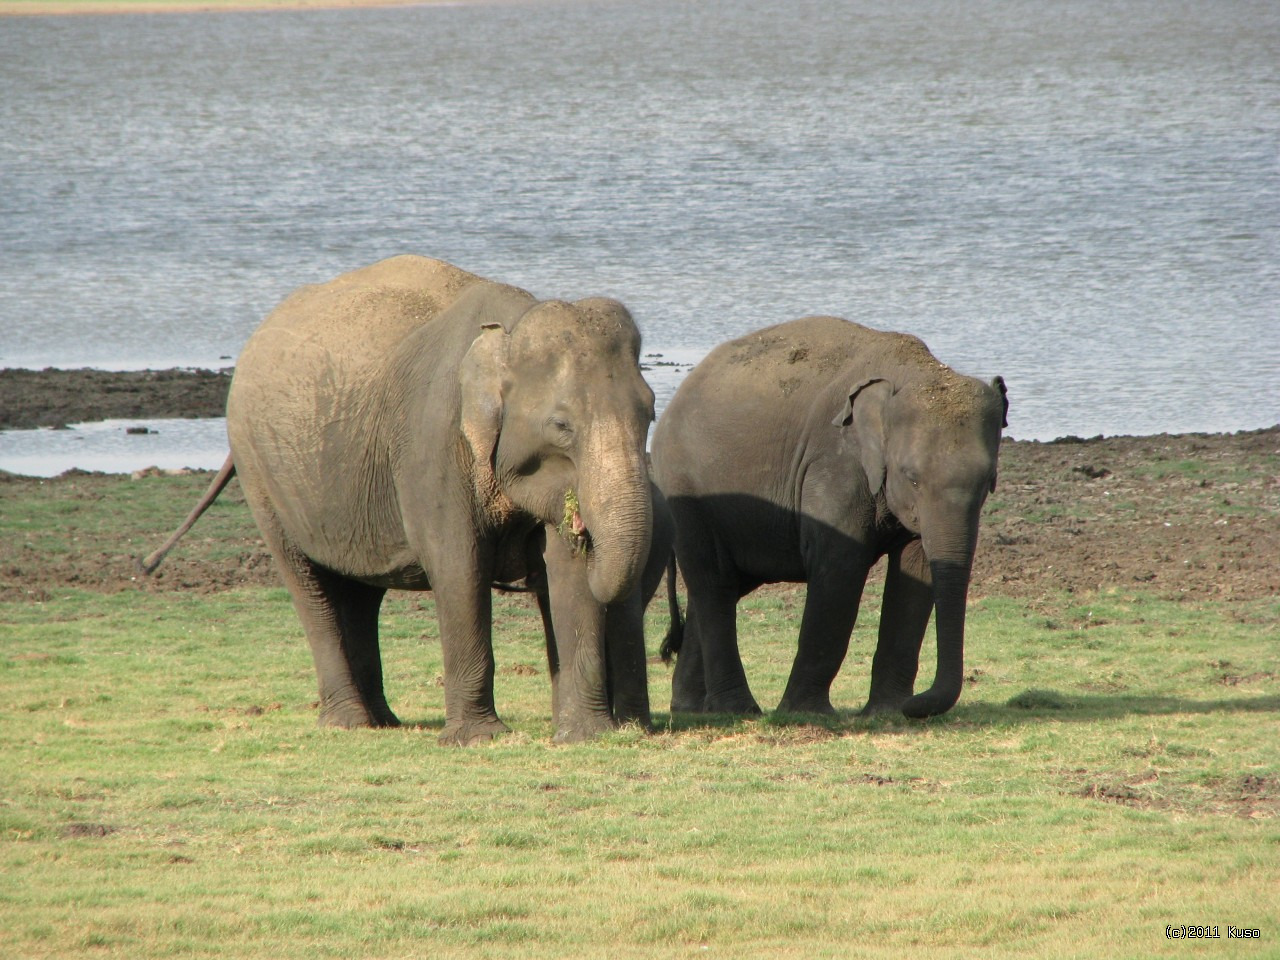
(556, 413)
(929, 446)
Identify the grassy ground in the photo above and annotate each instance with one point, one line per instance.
(166, 793)
(1111, 768)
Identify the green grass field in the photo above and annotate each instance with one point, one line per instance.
(1111, 769)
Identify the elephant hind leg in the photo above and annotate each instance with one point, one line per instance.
(340, 617)
(715, 648)
(709, 676)
(688, 680)
(351, 689)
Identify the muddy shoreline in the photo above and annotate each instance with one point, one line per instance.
(56, 398)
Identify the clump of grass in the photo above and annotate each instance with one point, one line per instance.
(570, 511)
(566, 529)
(1036, 699)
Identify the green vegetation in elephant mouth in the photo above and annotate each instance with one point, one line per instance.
(571, 527)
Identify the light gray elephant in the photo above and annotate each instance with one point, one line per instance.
(411, 425)
(803, 453)
(628, 667)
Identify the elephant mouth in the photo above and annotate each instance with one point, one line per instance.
(609, 541)
(574, 530)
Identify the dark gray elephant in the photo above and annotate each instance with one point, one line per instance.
(803, 453)
(411, 425)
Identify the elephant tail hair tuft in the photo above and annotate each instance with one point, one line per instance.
(674, 639)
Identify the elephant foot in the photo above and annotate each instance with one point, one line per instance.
(467, 733)
(688, 703)
(817, 703)
(355, 715)
(739, 702)
(625, 715)
(582, 727)
(746, 707)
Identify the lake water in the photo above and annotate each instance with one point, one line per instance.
(1083, 197)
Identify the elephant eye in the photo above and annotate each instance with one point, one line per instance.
(559, 430)
(913, 478)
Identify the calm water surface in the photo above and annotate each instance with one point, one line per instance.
(1083, 197)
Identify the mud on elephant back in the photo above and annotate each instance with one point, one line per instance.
(411, 425)
(803, 453)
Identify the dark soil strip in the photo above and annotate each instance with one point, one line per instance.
(55, 398)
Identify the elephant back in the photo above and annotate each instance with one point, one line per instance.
(771, 374)
(766, 386)
(360, 316)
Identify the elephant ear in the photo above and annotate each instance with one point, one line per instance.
(864, 410)
(998, 383)
(483, 369)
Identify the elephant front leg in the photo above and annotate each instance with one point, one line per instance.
(830, 609)
(464, 608)
(904, 618)
(581, 683)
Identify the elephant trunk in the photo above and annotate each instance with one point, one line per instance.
(950, 567)
(617, 512)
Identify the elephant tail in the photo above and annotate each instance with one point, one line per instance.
(674, 639)
(149, 563)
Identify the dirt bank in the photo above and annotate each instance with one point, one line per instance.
(55, 398)
(1194, 516)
